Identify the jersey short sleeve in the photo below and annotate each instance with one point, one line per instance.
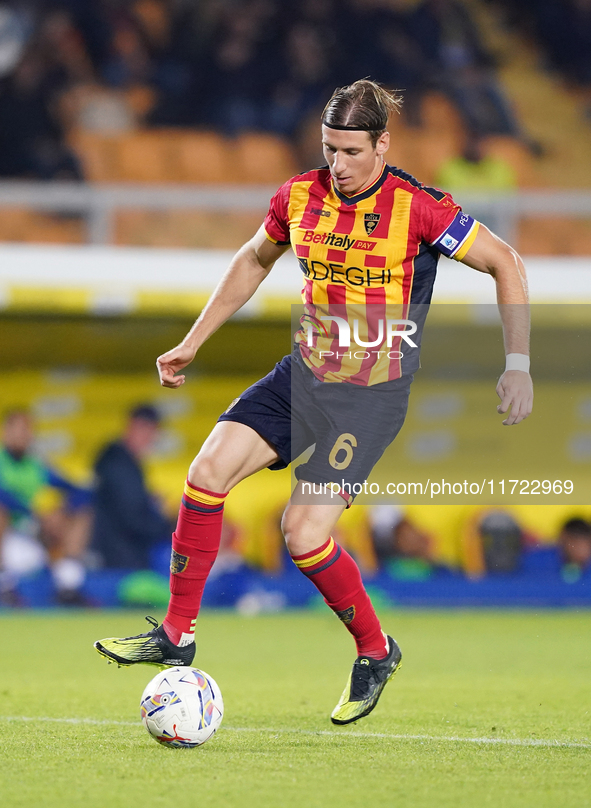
(445, 226)
(277, 221)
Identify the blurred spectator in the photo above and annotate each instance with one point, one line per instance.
(31, 139)
(108, 65)
(502, 542)
(128, 520)
(474, 170)
(166, 28)
(400, 546)
(257, 64)
(129, 61)
(307, 73)
(460, 66)
(245, 52)
(29, 515)
(63, 48)
(96, 108)
(181, 40)
(381, 44)
(574, 542)
(70, 78)
(564, 27)
(492, 543)
(16, 26)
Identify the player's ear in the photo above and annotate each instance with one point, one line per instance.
(383, 143)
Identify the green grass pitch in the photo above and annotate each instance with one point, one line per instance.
(489, 708)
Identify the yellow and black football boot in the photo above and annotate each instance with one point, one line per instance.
(366, 682)
(153, 648)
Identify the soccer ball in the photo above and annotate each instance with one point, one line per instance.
(182, 707)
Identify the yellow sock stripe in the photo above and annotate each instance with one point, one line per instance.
(201, 496)
(468, 243)
(304, 563)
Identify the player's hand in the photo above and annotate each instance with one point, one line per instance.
(171, 362)
(515, 389)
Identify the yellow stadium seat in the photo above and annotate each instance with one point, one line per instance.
(191, 229)
(554, 235)
(420, 152)
(508, 149)
(263, 158)
(145, 156)
(156, 156)
(97, 153)
(439, 115)
(401, 148)
(202, 157)
(33, 227)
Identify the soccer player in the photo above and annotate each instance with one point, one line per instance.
(367, 237)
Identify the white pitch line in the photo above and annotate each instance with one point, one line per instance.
(546, 743)
(406, 737)
(95, 722)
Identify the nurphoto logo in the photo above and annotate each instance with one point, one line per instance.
(388, 330)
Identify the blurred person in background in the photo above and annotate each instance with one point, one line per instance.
(32, 140)
(492, 543)
(305, 74)
(502, 542)
(459, 64)
(564, 27)
(574, 543)
(128, 61)
(16, 26)
(245, 49)
(66, 57)
(474, 170)
(381, 43)
(29, 515)
(400, 546)
(128, 521)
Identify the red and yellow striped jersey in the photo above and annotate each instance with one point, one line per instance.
(366, 259)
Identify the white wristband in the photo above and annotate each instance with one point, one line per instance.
(517, 361)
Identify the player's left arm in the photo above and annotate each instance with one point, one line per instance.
(488, 253)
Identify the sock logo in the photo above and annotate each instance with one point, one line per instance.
(347, 615)
(178, 562)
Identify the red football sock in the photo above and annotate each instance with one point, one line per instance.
(195, 545)
(336, 575)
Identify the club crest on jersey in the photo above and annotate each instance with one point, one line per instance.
(178, 562)
(371, 221)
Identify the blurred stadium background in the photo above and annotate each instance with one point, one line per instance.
(140, 142)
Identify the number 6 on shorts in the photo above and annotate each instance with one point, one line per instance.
(346, 443)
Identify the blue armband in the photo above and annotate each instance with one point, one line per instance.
(457, 238)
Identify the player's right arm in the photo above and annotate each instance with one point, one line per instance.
(248, 269)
